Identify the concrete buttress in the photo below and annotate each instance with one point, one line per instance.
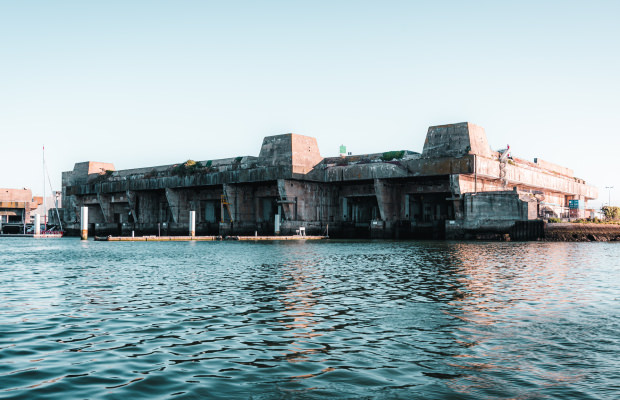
(230, 193)
(179, 206)
(105, 202)
(388, 207)
(131, 199)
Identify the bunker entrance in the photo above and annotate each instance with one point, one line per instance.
(268, 209)
(427, 209)
(210, 216)
(265, 217)
(212, 211)
(363, 209)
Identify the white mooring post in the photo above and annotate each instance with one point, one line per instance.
(276, 224)
(84, 222)
(37, 224)
(192, 223)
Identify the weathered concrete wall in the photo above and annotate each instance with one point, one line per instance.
(491, 213)
(487, 177)
(116, 184)
(105, 203)
(147, 205)
(365, 172)
(413, 167)
(495, 206)
(219, 165)
(555, 168)
(178, 201)
(456, 140)
(302, 152)
(305, 201)
(82, 170)
(389, 199)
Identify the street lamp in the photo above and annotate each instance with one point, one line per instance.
(609, 198)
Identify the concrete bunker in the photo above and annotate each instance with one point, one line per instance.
(457, 184)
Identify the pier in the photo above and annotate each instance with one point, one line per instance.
(201, 238)
(32, 235)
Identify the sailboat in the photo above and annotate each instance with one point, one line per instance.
(53, 232)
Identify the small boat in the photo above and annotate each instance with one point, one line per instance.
(54, 233)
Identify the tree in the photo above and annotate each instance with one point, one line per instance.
(611, 213)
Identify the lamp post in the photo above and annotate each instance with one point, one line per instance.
(609, 196)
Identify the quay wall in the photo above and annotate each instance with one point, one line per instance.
(578, 232)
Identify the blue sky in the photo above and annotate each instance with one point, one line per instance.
(141, 83)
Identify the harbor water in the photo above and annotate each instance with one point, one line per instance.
(309, 320)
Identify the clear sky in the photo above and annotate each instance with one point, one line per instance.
(144, 83)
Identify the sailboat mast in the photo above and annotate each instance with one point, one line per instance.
(55, 198)
(44, 203)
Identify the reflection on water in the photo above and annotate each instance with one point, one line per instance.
(298, 300)
(512, 314)
(308, 320)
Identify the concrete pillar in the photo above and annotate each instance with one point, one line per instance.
(84, 222)
(192, 223)
(458, 209)
(455, 185)
(37, 224)
(277, 224)
(407, 207)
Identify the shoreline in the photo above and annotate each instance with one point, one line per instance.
(551, 232)
(581, 232)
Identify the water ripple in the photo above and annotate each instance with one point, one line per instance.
(339, 319)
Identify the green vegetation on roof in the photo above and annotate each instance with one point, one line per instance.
(393, 155)
(189, 167)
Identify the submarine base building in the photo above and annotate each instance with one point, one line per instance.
(456, 188)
